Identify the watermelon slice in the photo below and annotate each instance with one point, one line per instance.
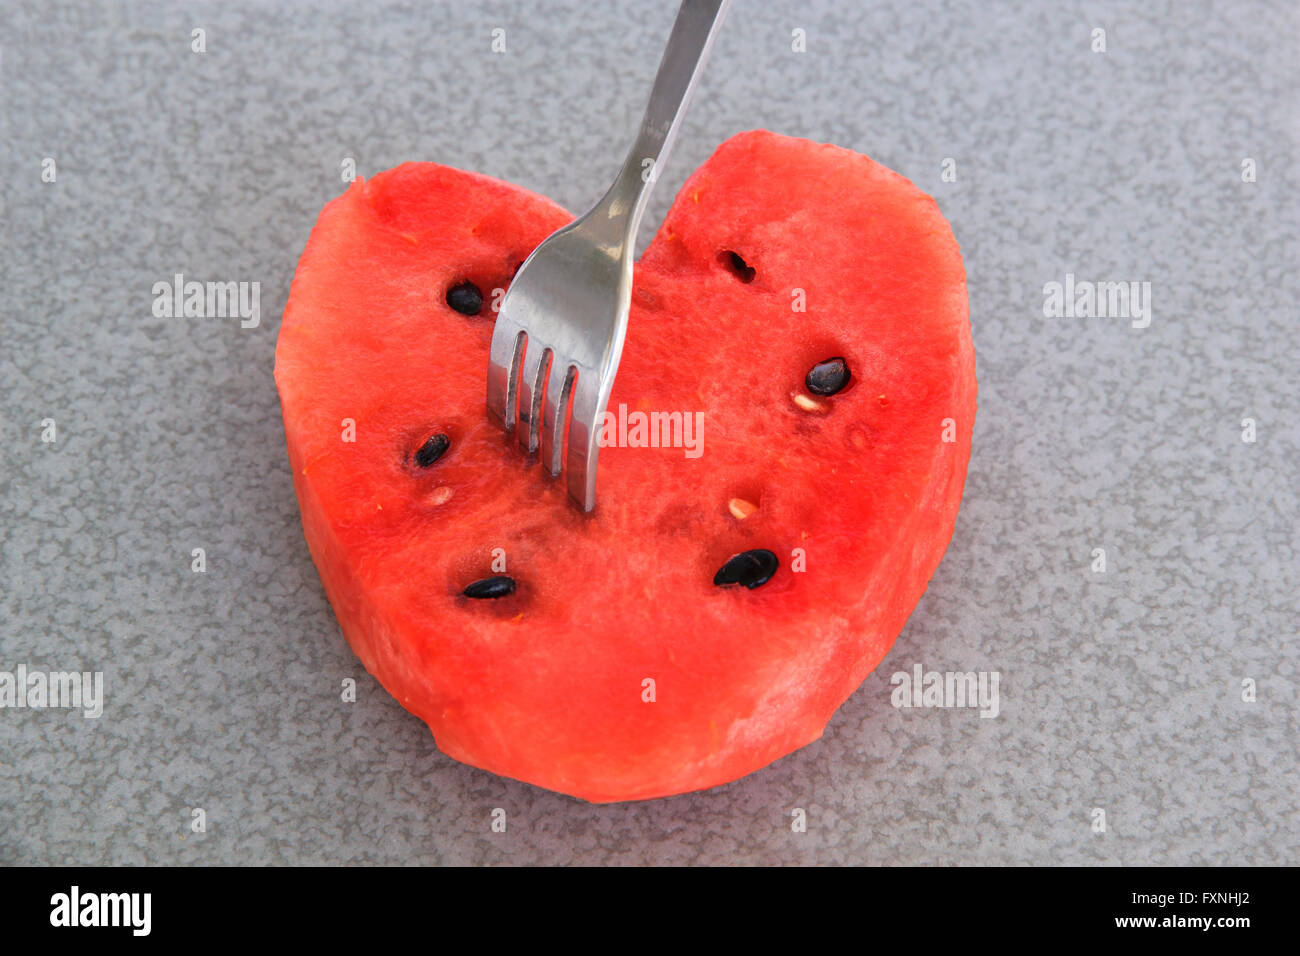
(719, 604)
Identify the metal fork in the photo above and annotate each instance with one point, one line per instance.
(559, 333)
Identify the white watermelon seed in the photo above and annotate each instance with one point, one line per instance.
(808, 403)
(740, 508)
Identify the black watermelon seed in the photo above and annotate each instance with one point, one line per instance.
(432, 450)
(494, 587)
(750, 568)
(828, 377)
(465, 298)
(743, 270)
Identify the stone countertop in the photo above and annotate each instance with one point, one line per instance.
(1120, 691)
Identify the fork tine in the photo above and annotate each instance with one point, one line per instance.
(503, 372)
(583, 445)
(555, 407)
(532, 386)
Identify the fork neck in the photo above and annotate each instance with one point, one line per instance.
(618, 215)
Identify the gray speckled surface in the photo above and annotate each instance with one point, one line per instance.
(1120, 691)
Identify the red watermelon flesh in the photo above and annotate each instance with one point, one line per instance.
(856, 493)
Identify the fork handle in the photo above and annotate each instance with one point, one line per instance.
(688, 47)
